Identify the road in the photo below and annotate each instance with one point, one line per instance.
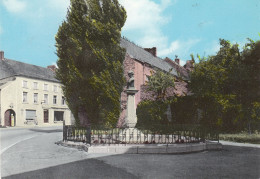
(32, 153)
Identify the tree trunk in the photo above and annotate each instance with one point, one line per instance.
(83, 119)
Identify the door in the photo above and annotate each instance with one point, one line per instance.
(9, 118)
(46, 116)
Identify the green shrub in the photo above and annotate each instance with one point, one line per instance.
(151, 113)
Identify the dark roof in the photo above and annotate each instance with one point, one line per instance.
(9, 68)
(143, 56)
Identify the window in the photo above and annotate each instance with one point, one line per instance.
(30, 115)
(25, 97)
(58, 116)
(45, 99)
(45, 87)
(63, 100)
(35, 85)
(55, 88)
(35, 98)
(54, 99)
(24, 84)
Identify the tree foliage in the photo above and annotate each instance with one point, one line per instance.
(159, 82)
(231, 78)
(90, 59)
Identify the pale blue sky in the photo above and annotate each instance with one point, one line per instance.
(175, 27)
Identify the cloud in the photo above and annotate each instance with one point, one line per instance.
(145, 20)
(182, 62)
(175, 45)
(178, 47)
(211, 49)
(143, 14)
(15, 6)
(61, 5)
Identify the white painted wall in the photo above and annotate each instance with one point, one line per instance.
(12, 93)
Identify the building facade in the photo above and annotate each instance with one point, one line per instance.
(143, 62)
(30, 95)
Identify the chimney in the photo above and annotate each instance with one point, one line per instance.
(153, 51)
(177, 60)
(2, 55)
(189, 65)
(52, 68)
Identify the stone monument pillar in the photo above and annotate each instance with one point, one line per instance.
(131, 119)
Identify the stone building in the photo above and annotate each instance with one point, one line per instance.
(30, 95)
(144, 61)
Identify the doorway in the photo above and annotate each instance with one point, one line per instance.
(46, 116)
(10, 119)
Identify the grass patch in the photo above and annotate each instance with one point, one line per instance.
(241, 137)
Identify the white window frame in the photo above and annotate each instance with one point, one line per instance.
(25, 84)
(63, 100)
(35, 85)
(45, 87)
(25, 97)
(35, 98)
(45, 97)
(54, 99)
(55, 88)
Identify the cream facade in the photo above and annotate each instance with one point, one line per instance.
(30, 95)
(27, 101)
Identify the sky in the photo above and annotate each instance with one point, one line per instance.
(175, 27)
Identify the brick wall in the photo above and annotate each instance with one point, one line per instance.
(141, 71)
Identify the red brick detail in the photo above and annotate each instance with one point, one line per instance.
(52, 68)
(189, 66)
(179, 68)
(153, 51)
(2, 55)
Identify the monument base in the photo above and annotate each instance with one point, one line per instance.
(131, 119)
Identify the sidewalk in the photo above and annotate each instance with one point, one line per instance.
(239, 144)
(33, 126)
(143, 148)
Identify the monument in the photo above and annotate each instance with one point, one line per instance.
(131, 119)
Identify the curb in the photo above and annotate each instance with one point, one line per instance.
(144, 149)
(79, 145)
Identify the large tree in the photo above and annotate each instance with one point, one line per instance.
(90, 60)
(231, 79)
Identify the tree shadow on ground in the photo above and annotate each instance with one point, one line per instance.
(90, 168)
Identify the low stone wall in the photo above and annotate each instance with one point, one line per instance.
(144, 149)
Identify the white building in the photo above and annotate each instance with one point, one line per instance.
(30, 95)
